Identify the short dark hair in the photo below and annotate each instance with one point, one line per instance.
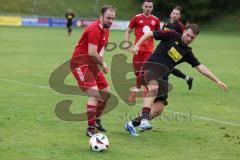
(194, 28)
(178, 8)
(105, 8)
(147, 1)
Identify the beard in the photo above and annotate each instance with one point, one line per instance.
(107, 25)
(147, 12)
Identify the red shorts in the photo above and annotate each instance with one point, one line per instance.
(139, 59)
(88, 77)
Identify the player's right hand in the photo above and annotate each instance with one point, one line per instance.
(105, 68)
(135, 50)
(222, 85)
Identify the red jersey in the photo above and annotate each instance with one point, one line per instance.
(144, 24)
(94, 34)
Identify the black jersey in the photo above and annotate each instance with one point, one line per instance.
(171, 51)
(69, 16)
(175, 25)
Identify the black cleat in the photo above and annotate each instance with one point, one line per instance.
(99, 126)
(189, 83)
(90, 131)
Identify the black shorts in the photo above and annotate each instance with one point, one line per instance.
(159, 72)
(69, 24)
(163, 89)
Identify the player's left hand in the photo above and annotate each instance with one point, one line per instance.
(222, 85)
(135, 50)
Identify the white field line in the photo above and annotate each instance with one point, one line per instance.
(25, 84)
(209, 119)
(195, 116)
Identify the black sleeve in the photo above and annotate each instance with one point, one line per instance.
(163, 35)
(191, 59)
(164, 25)
(179, 30)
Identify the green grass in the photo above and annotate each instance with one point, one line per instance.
(224, 23)
(29, 128)
(82, 8)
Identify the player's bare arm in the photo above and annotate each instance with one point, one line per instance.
(127, 34)
(92, 51)
(127, 37)
(105, 66)
(205, 71)
(141, 40)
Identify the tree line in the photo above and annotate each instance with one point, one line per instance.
(195, 10)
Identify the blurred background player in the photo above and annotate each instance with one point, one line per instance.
(174, 23)
(69, 17)
(142, 23)
(85, 63)
(166, 56)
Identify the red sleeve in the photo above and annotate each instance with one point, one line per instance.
(132, 23)
(181, 26)
(158, 25)
(94, 37)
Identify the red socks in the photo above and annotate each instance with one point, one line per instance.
(91, 114)
(145, 113)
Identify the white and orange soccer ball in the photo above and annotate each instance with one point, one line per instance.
(99, 142)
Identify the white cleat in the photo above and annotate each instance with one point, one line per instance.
(145, 125)
(130, 128)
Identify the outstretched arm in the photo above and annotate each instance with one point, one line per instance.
(141, 40)
(205, 71)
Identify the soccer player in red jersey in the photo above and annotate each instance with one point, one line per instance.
(85, 63)
(142, 23)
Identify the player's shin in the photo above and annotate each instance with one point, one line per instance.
(102, 103)
(148, 100)
(91, 114)
(156, 109)
(147, 103)
(100, 108)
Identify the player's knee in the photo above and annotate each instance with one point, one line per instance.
(93, 100)
(93, 93)
(107, 96)
(153, 89)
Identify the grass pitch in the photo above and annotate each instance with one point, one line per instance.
(207, 124)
